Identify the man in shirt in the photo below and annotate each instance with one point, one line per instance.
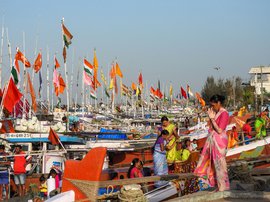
(20, 164)
(4, 172)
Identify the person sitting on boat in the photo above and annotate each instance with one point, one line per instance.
(20, 163)
(73, 123)
(7, 125)
(4, 172)
(261, 122)
(53, 173)
(233, 138)
(188, 145)
(43, 186)
(135, 170)
(159, 157)
(182, 153)
(194, 144)
(247, 130)
(171, 146)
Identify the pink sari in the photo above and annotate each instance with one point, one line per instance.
(212, 162)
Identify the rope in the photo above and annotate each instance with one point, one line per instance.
(131, 195)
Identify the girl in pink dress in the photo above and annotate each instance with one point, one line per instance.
(212, 163)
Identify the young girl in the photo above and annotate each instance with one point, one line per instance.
(160, 161)
(135, 169)
(43, 186)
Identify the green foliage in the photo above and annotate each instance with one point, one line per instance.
(231, 88)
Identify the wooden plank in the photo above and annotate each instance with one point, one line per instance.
(137, 180)
(261, 171)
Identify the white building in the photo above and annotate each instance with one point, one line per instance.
(260, 76)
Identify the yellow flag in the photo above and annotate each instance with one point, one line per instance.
(118, 70)
(171, 90)
(103, 77)
(111, 84)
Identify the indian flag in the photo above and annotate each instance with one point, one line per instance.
(15, 72)
(93, 94)
(67, 36)
(88, 67)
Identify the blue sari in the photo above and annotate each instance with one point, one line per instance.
(160, 161)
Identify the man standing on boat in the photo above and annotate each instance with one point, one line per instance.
(20, 164)
(4, 172)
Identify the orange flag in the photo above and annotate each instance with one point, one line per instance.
(20, 56)
(118, 70)
(38, 63)
(112, 72)
(62, 84)
(31, 90)
(56, 63)
(53, 137)
(133, 86)
(200, 99)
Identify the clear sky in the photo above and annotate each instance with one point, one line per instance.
(170, 40)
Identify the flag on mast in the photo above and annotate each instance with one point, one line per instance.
(183, 93)
(189, 92)
(12, 96)
(56, 63)
(20, 57)
(31, 90)
(38, 63)
(53, 137)
(118, 70)
(15, 72)
(67, 36)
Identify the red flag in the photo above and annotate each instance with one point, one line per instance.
(12, 96)
(183, 92)
(140, 79)
(38, 63)
(56, 63)
(62, 84)
(53, 137)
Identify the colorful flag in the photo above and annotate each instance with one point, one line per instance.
(40, 85)
(88, 67)
(134, 87)
(12, 96)
(56, 63)
(140, 80)
(95, 61)
(38, 63)
(103, 77)
(183, 93)
(112, 72)
(15, 73)
(20, 57)
(67, 36)
(65, 54)
(118, 70)
(124, 89)
(93, 95)
(31, 90)
(158, 94)
(200, 99)
(62, 84)
(189, 92)
(53, 137)
(171, 90)
(56, 82)
(106, 92)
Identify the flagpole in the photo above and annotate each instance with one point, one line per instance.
(71, 82)
(1, 54)
(83, 93)
(48, 79)
(24, 76)
(77, 86)
(66, 73)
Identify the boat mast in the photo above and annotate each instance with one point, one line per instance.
(1, 54)
(48, 79)
(66, 73)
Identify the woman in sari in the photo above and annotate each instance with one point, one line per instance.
(160, 161)
(171, 146)
(212, 163)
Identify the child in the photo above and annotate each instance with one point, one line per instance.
(135, 169)
(43, 186)
(194, 145)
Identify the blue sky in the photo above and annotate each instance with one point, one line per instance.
(173, 40)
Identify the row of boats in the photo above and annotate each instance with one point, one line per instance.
(124, 137)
